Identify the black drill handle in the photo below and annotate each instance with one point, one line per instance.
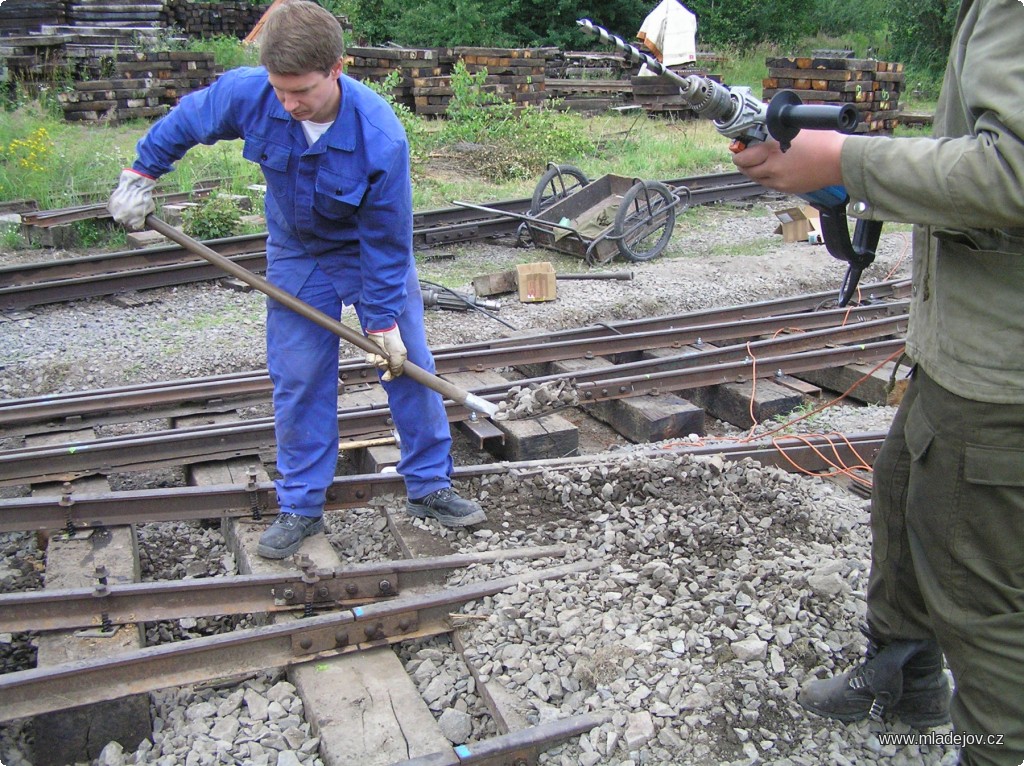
(787, 115)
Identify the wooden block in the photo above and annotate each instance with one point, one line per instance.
(80, 734)
(549, 436)
(650, 418)
(495, 284)
(800, 386)
(531, 439)
(139, 240)
(872, 390)
(174, 214)
(640, 419)
(731, 402)
(376, 458)
(369, 703)
(62, 235)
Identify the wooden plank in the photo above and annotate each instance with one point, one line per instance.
(872, 390)
(841, 75)
(640, 419)
(807, 62)
(731, 402)
(71, 562)
(375, 707)
(548, 436)
(495, 283)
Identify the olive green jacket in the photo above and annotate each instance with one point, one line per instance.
(965, 189)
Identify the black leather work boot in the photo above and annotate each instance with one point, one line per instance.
(901, 679)
(447, 507)
(285, 535)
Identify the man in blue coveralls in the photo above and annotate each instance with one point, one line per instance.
(339, 221)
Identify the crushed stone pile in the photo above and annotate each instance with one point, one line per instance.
(537, 399)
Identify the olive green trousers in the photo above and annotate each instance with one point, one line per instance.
(947, 521)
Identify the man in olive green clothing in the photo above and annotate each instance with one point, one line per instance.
(947, 569)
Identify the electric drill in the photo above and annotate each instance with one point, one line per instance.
(737, 114)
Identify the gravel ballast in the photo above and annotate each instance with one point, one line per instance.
(719, 586)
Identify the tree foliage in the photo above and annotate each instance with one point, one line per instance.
(748, 22)
(839, 18)
(553, 22)
(912, 31)
(491, 23)
(921, 30)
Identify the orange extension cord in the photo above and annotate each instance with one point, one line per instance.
(854, 472)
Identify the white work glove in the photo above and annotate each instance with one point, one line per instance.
(132, 200)
(392, 355)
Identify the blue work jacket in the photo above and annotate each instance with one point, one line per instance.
(344, 203)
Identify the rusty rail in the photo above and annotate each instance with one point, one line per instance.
(73, 511)
(58, 687)
(217, 393)
(125, 603)
(37, 284)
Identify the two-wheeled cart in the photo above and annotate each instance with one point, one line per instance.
(597, 220)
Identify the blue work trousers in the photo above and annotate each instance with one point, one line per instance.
(302, 359)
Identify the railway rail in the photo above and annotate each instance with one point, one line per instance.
(173, 398)
(43, 690)
(369, 604)
(73, 511)
(25, 286)
(352, 611)
(771, 345)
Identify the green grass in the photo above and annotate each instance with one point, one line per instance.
(227, 51)
(61, 164)
(745, 249)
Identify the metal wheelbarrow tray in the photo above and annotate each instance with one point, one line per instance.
(609, 216)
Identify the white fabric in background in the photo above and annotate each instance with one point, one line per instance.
(670, 33)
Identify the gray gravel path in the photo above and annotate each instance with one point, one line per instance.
(721, 586)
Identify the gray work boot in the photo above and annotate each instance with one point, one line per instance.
(901, 679)
(285, 535)
(448, 508)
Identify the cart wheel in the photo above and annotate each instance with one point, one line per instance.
(644, 222)
(557, 183)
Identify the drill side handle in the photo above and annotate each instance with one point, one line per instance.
(787, 115)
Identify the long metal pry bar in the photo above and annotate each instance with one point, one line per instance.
(413, 371)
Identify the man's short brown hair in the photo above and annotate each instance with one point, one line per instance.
(301, 37)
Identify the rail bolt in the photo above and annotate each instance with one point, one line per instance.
(306, 643)
(408, 624)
